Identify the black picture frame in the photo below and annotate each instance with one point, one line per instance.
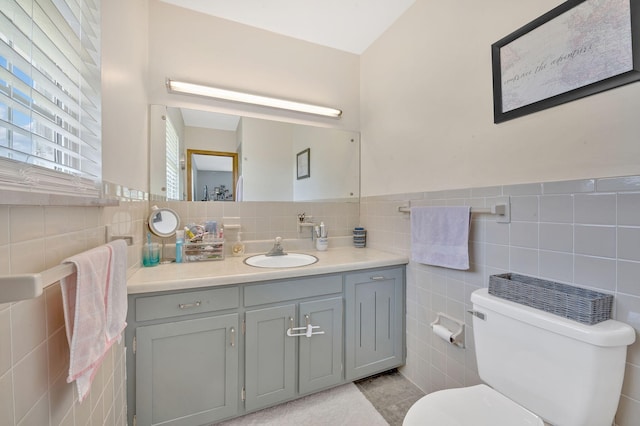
(537, 53)
(303, 164)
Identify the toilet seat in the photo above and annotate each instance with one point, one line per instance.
(477, 405)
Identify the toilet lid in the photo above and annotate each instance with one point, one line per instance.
(475, 405)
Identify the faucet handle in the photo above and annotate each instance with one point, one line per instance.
(278, 240)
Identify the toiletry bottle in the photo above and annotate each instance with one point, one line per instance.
(188, 232)
(179, 245)
(237, 249)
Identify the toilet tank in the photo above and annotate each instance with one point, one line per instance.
(568, 373)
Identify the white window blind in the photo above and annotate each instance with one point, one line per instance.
(50, 105)
(173, 166)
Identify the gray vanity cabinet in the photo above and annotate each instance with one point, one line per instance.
(270, 357)
(374, 321)
(182, 350)
(320, 356)
(199, 356)
(187, 371)
(281, 362)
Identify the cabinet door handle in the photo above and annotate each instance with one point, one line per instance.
(378, 278)
(233, 336)
(190, 305)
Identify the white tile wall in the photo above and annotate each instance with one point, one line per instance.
(33, 341)
(584, 232)
(565, 231)
(33, 345)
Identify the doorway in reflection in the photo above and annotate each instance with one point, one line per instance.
(211, 175)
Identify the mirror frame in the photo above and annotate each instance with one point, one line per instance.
(157, 211)
(234, 159)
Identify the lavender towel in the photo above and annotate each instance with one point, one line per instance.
(440, 236)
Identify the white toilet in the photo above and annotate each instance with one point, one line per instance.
(541, 368)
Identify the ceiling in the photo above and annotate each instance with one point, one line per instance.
(348, 25)
(209, 120)
(211, 163)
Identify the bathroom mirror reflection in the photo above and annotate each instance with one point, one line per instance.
(266, 157)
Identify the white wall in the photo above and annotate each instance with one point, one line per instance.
(209, 139)
(195, 47)
(428, 138)
(267, 164)
(427, 109)
(125, 122)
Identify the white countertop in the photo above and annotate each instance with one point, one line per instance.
(232, 270)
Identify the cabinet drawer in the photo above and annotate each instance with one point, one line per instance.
(192, 302)
(292, 289)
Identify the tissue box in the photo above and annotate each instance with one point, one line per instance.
(209, 250)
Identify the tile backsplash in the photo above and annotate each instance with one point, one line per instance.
(33, 344)
(262, 220)
(584, 232)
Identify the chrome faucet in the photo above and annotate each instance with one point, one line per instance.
(277, 249)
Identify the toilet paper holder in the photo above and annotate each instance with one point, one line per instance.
(443, 330)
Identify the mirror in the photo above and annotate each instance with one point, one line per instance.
(163, 222)
(266, 154)
(211, 175)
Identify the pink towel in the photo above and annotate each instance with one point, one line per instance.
(117, 291)
(89, 297)
(440, 236)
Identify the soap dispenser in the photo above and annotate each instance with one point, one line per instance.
(237, 249)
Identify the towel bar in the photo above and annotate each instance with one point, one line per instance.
(14, 288)
(502, 209)
(27, 286)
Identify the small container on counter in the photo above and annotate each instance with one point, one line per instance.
(151, 254)
(359, 237)
(237, 249)
(179, 245)
(322, 243)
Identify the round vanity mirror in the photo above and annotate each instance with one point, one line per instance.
(163, 222)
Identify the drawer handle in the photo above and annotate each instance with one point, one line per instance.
(190, 305)
(378, 278)
(233, 337)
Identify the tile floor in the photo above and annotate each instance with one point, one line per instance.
(391, 394)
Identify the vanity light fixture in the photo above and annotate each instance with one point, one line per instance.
(230, 95)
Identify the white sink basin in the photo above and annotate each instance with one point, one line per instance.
(290, 260)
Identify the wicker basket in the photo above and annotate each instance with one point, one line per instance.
(578, 304)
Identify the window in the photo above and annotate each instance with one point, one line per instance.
(173, 159)
(50, 105)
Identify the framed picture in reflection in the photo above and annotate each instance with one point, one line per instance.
(303, 161)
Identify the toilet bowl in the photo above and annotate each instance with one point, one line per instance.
(475, 405)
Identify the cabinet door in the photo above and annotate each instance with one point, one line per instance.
(374, 322)
(187, 371)
(270, 357)
(320, 362)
